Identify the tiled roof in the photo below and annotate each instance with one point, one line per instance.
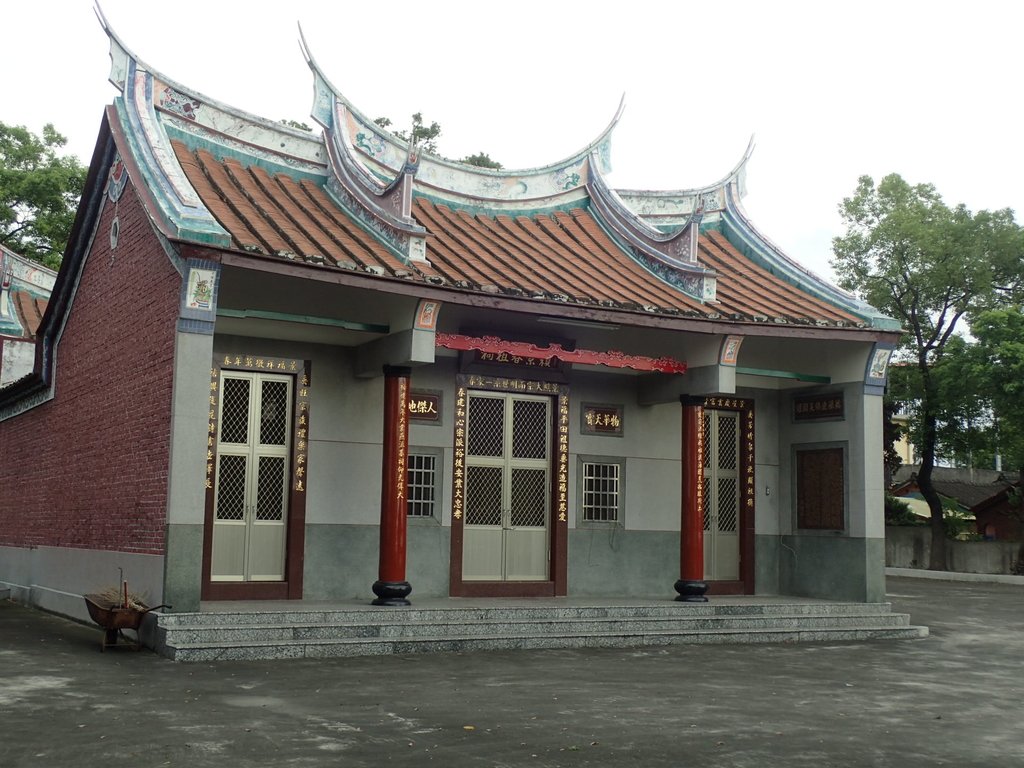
(30, 310)
(970, 487)
(561, 255)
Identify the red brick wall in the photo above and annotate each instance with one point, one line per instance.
(88, 469)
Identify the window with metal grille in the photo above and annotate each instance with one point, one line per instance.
(422, 473)
(602, 491)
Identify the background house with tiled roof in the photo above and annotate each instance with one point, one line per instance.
(985, 495)
(280, 364)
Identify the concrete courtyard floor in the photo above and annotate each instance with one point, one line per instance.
(955, 698)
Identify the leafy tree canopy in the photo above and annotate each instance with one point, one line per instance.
(425, 137)
(39, 193)
(926, 264)
(930, 266)
(481, 160)
(298, 124)
(997, 364)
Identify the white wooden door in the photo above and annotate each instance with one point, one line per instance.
(721, 495)
(251, 499)
(507, 487)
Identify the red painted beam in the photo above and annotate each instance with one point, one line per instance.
(612, 359)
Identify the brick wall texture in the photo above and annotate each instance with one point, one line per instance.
(88, 469)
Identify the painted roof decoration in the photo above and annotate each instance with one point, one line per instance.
(26, 289)
(358, 198)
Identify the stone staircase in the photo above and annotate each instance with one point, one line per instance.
(368, 631)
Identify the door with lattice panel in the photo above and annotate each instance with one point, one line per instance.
(253, 461)
(721, 495)
(507, 488)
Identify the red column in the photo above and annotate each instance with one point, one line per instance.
(391, 588)
(691, 585)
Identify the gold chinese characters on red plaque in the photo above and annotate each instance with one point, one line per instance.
(602, 419)
(301, 432)
(813, 407)
(401, 479)
(424, 406)
(459, 466)
(211, 435)
(562, 457)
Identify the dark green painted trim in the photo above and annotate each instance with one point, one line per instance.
(259, 314)
(785, 375)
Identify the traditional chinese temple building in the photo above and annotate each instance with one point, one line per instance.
(288, 365)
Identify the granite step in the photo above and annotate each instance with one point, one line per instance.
(521, 613)
(344, 647)
(358, 631)
(288, 632)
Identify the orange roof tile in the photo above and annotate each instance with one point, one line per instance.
(560, 255)
(30, 310)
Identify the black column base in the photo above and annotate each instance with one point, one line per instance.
(691, 591)
(391, 592)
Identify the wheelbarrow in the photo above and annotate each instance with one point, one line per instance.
(114, 617)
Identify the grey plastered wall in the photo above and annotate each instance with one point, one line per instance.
(612, 562)
(343, 508)
(910, 547)
(766, 490)
(186, 497)
(650, 446)
(341, 561)
(55, 578)
(834, 568)
(847, 564)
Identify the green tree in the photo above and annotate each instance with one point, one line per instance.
(39, 193)
(297, 124)
(928, 265)
(998, 361)
(481, 160)
(891, 434)
(423, 136)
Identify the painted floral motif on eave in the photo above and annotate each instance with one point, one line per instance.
(378, 149)
(661, 205)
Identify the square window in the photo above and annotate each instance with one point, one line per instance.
(602, 492)
(422, 473)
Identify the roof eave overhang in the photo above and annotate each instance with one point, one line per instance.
(536, 307)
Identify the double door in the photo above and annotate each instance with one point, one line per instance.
(253, 461)
(506, 534)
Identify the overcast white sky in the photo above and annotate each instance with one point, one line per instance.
(830, 90)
